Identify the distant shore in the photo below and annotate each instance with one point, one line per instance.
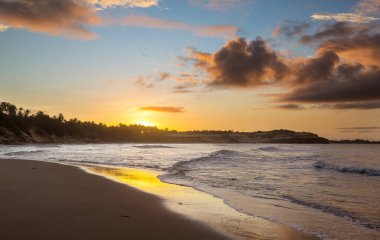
(42, 200)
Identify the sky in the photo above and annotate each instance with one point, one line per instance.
(243, 65)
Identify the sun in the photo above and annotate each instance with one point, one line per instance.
(145, 123)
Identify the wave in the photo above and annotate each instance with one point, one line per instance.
(151, 146)
(180, 168)
(20, 153)
(333, 210)
(84, 162)
(346, 169)
(270, 149)
(221, 153)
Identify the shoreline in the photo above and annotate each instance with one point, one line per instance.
(43, 200)
(197, 211)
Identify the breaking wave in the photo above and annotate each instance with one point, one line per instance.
(347, 169)
(270, 149)
(180, 168)
(20, 153)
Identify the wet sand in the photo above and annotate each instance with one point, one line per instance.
(40, 200)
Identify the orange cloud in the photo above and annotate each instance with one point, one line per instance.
(54, 17)
(225, 31)
(72, 18)
(103, 4)
(163, 109)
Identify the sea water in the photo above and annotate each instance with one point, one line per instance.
(331, 191)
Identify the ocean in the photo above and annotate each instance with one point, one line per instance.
(331, 191)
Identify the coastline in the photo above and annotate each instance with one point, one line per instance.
(42, 200)
(52, 198)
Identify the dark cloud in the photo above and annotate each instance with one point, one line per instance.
(325, 78)
(365, 129)
(290, 29)
(240, 63)
(55, 17)
(358, 42)
(344, 73)
(340, 84)
(364, 48)
(318, 69)
(358, 105)
(354, 42)
(163, 109)
(339, 29)
(360, 128)
(290, 107)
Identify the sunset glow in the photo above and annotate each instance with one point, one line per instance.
(188, 65)
(145, 123)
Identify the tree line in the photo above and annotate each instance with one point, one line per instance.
(22, 122)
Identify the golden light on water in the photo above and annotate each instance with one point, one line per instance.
(193, 203)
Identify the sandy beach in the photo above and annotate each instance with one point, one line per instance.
(42, 200)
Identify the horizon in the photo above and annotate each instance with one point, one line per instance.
(21, 111)
(241, 65)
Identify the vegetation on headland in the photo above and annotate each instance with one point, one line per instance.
(19, 125)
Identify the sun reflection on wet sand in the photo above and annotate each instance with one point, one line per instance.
(198, 205)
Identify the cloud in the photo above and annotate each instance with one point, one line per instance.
(336, 30)
(363, 12)
(358, 105)
(363, 48)
(163, 109)
(54, 17)
(184, 87)
(240, 63)
(74, 18)
(143, 82)
(226, 31)
(364, 129)
(219, 5)
(3, 28)
(291, 107)
(104, 4)
(346, 68)
(344, 73)
(359, 128)
(325, 79)
(368, 7)
(164, 76)
(343, 17)
(290, 29)
(352, 42)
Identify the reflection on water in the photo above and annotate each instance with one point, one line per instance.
(198, 205)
